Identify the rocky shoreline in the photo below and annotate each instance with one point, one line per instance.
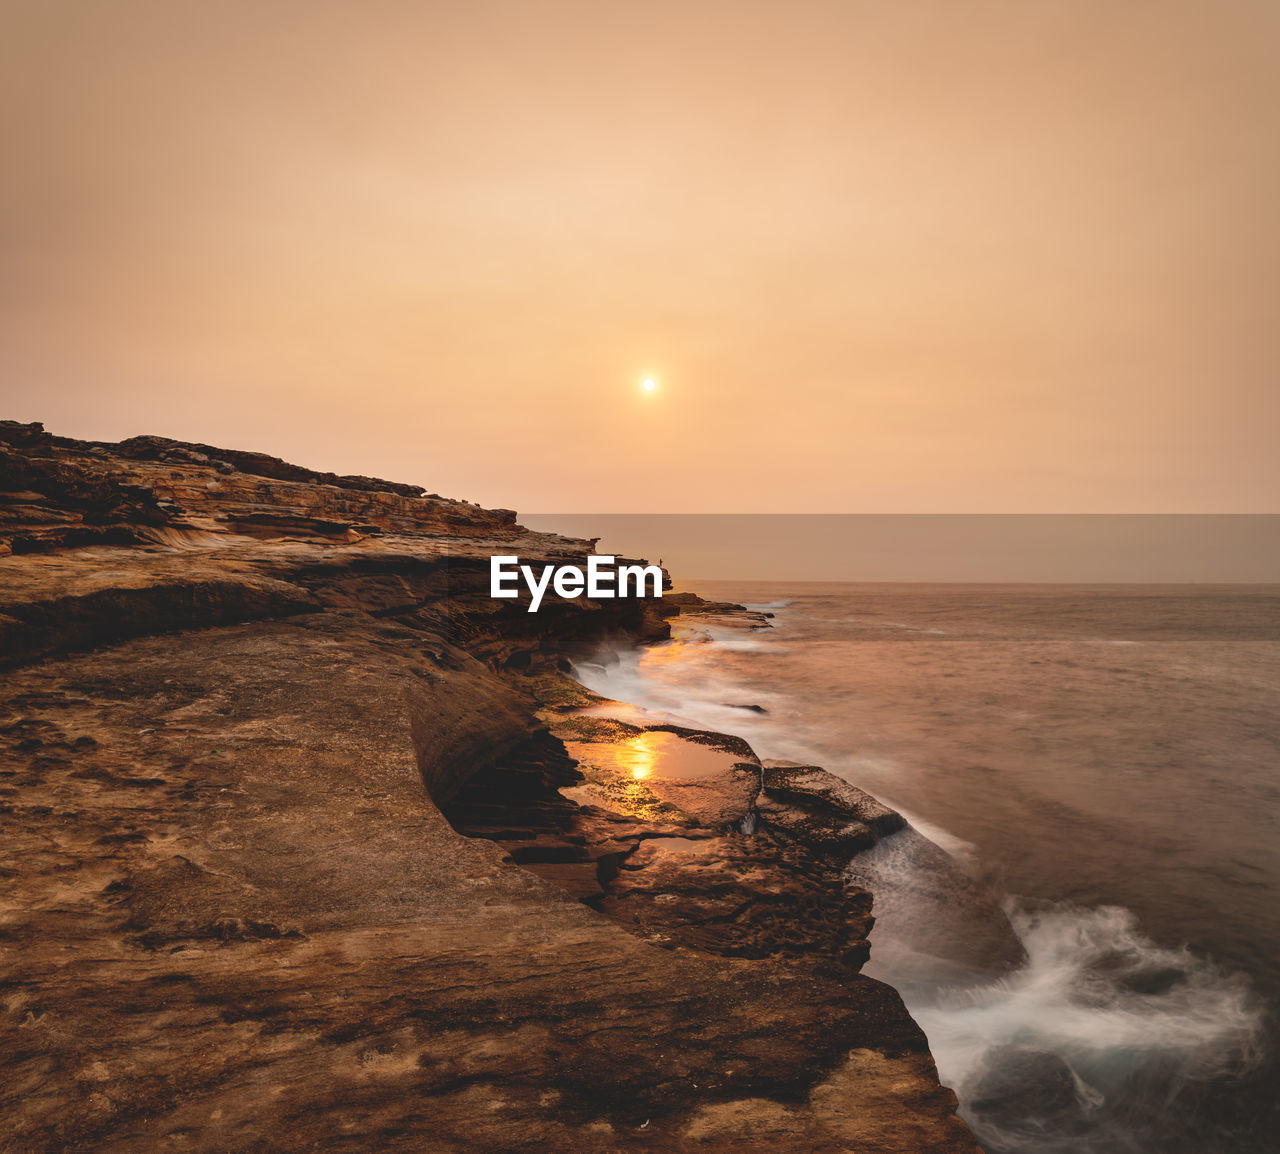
(311, 844)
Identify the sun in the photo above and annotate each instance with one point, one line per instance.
(648, 384)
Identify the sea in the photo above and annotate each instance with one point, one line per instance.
(1104, 763)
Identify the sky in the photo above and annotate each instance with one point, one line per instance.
(911, 256)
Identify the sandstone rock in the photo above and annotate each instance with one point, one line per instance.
(832, 835)
(727, 612)
(740, 896)
(463, 724)
(812, 786)
(235, 919)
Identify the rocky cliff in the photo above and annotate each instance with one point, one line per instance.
(308, 843)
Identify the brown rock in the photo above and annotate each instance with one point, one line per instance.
(833, 836)
(235, 920)
(814, 787)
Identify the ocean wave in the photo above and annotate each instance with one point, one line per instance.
(684, 681)
(1089, 1043)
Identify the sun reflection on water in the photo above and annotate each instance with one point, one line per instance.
(638, 756)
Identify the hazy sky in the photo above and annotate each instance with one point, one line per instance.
(1005, 255)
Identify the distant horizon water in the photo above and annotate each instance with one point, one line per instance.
(959, 548)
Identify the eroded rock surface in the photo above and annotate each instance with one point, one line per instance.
(235, 916)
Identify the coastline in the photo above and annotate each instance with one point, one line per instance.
(240, 921)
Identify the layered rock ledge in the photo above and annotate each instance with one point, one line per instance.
(310, 844)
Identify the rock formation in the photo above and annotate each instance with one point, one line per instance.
(308, 843)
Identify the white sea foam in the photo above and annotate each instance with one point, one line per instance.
(1096, 1002)
(675, 680)
(1079, 1048)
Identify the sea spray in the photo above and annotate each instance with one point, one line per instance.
(1086, 1043)
(1094, 1042)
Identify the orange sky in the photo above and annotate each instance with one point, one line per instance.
(896, 256)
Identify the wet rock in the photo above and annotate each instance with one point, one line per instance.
(697, 604)
(832, 835)
(675, 880)
(706, 779)
(740, 896)
(811, 786)
(726, 613)
(833, 818)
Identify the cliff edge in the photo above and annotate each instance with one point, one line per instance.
(309, 844)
